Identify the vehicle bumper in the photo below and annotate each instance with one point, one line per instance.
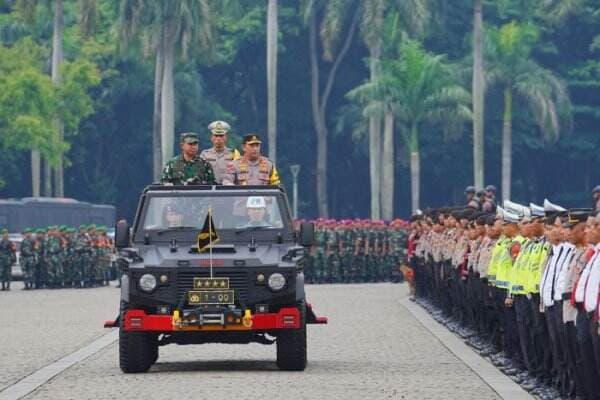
(138, 320)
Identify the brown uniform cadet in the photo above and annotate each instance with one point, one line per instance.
(219, 156)
(252, 168)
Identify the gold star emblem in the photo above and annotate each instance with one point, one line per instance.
(223, 284)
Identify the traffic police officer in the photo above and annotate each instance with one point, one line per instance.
(219, 155)
(252, 168)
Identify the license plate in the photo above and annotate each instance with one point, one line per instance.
(201, 297)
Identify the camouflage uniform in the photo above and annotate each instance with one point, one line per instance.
(7, 258)
(41, 266)
(82, 257)
(28, 258)
(397, 250)
(179, 171)
(54, 249)
(333, 259)
(346, 250)
(320, 258)
(359, 270)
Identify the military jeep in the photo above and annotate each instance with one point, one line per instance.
(246, 285)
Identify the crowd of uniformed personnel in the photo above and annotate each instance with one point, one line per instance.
(521, 285)
(59, 257)
(355, 250)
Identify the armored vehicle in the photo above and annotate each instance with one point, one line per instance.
(212, 264)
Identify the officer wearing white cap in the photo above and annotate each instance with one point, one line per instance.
(219, 155)
(252, 168)
(256, 210)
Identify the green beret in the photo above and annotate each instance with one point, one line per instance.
(39, 230)
(91, 227)
(4, 231)
(27, 230)
(82, 227)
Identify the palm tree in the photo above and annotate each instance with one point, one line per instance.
(516, 73)
(416, 88)
(165, 28)
(413, 14)
(478, 95)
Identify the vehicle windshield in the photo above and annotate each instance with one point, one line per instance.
(228, 212)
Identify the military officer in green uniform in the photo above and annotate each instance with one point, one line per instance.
(320, 259)
(82, 256)
(219, 156)
(7, 259)
(40, 271)
(188, 167)
(54, 250)
(28, 258)
(331, 251)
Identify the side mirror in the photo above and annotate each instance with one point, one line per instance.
(122, 238)
(307, 234)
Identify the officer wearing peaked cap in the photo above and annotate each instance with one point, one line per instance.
(219, 155)
(551, 207)
(252, 168)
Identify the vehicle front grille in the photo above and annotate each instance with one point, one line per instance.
(238, 281)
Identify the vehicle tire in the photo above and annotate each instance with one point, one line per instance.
(137, 350)
(291, 345)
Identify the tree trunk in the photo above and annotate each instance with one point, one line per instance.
(157, 163)
(319, 103)
(478, 97)
(415, 168)
(320, 128)
(167, 99)
(57, 58)
(415, 183)
(35, 173)
(47, 179)
(507, 144)
(387, 183)
(375, 143)
(272, 30)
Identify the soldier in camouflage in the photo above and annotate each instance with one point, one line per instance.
(28, 258)
(7, 259)
(82, 256)
(40, 271)
(188, 168)
(54, 250)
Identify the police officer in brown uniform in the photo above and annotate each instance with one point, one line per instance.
(219, 155)
(252, 168)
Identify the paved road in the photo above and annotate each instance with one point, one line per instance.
(373, 348)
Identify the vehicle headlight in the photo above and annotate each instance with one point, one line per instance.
(276, 281)
(148, 283)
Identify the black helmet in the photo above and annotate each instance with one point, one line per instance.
(470, 189)
(490, 188)
(596, 189)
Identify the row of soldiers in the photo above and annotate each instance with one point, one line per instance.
(521, 286)
(59, 256)
(357, 250)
